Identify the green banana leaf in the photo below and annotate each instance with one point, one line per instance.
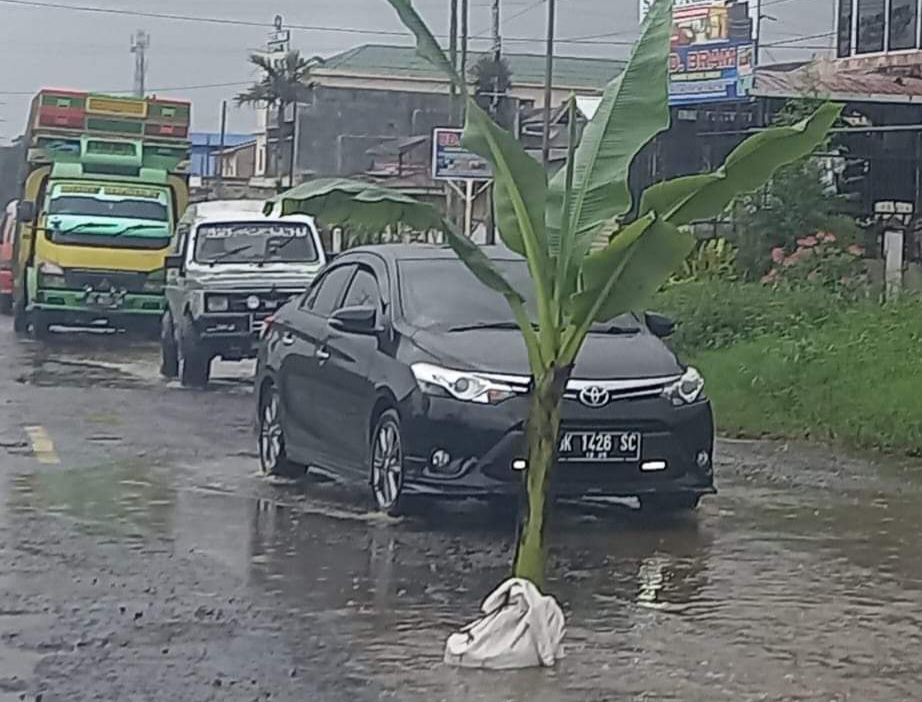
(747, 168)
(355, 204)
(625, 275)
(634, 109)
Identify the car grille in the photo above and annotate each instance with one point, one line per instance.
(618, 390)
(101, 280)
(269, 300)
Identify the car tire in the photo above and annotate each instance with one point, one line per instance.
(669, 504)
(386, 472)
(273, 458)
(194, 361)
(169, 353)
(6, 305)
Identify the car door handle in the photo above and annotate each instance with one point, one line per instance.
(288, 338)
(322, 355)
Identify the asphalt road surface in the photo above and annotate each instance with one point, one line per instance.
(142, 557)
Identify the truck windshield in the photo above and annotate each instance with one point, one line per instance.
(123, 209)
(255, 242)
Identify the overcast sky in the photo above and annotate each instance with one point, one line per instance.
(58, 47)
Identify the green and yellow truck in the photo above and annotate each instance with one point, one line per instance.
(105, 181)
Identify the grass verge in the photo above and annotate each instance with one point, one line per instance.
(855, 378)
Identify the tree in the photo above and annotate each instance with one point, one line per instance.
(280, 85)
(554, 224)
(492, 81)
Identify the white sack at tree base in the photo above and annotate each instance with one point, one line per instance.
(521, 629)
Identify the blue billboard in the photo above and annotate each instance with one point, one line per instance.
(710, 72)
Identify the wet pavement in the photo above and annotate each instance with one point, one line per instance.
(143, 558)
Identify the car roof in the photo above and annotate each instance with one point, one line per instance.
(428, 252)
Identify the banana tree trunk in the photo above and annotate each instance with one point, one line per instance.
(542, 429)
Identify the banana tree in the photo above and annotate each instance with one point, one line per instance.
(557, 226)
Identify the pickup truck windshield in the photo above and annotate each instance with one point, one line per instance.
(255, 242)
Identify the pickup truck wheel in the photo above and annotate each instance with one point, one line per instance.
(194, 360)
(169, 354)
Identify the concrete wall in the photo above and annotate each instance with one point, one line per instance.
(338, 125)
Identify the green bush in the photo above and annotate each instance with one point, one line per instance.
(715, 314)
(854, 380)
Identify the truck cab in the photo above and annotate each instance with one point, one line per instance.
(230, 268)
(106, 181)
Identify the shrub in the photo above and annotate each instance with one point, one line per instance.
(714, 314)
(820, 260)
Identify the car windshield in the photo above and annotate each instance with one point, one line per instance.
(443, 293)
(255, 242)
(94, 207)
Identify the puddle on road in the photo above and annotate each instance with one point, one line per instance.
(114, 361)
(738, 603)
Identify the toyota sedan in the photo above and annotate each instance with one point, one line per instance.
(399, 369)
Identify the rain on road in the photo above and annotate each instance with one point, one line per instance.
(143, 558)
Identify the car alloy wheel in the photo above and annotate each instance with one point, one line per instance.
(387, 464)
(273, 460)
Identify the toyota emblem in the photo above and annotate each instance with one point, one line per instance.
(594, 396)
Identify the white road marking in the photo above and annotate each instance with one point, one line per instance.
(42, 445)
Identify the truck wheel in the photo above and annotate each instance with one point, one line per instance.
(41, 325)
(194, 361)
(20, 317)
(169, 354)
(6, 304)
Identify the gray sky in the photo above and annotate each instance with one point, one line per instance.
(56, 47)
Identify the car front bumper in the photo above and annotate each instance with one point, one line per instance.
(483, 441)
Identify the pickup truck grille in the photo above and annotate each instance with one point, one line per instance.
(102, 280)
(269, 300)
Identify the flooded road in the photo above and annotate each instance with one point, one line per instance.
(143, 558)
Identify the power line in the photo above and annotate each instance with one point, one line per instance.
(207, 86)
(43, 4)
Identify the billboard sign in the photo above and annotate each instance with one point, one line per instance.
(713, 56)
(451, 161)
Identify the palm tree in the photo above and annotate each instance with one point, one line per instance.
(280, 85)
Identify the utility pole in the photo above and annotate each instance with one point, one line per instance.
(548, 82)
(465, 17)
(453, 54)
(219, 167)
(140, 42)
(497, 49)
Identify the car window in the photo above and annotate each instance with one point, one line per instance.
(329, 290)
(363, 291)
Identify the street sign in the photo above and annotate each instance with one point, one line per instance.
(451, 161)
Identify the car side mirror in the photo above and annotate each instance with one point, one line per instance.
(25, 212)
(660, 325)
(355, 320)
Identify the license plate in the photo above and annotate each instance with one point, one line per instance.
(600, 446)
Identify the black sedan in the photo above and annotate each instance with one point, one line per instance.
(400, 369)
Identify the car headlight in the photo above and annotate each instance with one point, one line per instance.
(217, 303)
(686, 389)
(155, 281)
(461, 385)
(48, 268)
(51, 275)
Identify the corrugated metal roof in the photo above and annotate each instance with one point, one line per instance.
(870, 79)
(527, 69)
